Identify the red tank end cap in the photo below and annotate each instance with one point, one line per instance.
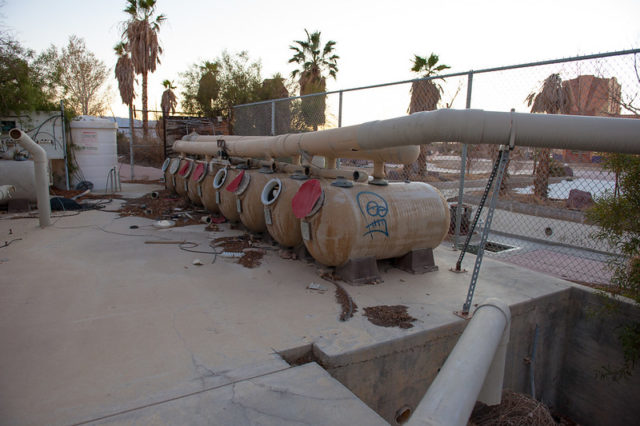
(306, 197)
(234, 184)
(185, 167)
(197, 172)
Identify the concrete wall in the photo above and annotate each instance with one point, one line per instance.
(592, 342)
(571, 346)
(388, 377)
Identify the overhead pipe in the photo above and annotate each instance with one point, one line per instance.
(468, 126)
(40, 165)
(278, 166)
(472, 126)
(355, 175)
(318, 143)
(474, 370)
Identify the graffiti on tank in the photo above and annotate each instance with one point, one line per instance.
(374, 209)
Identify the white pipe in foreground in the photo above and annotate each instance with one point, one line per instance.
(6, 192)
(474, 370)
(41, 176)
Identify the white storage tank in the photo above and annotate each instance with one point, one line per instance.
(96, 150)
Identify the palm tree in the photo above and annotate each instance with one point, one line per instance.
(425, 95)
(315, 62)
(125, 75)
(208, 87)
(274, 88)
(141, 35)
(169, 100)
(551, 99)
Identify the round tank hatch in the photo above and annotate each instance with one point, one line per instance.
(175, 164)
(199, 173)
(308, 199)
(271, 192)
(244, 184)
(165, 165)
(220, 178)
(185, 171)
(235, 184)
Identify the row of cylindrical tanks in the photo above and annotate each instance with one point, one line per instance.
(338, 215)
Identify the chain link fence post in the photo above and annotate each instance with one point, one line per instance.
(463, 162)
(273, 118)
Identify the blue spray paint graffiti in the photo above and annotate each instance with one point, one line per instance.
(374, 209)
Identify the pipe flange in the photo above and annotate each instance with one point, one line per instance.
(271, 192)
(341, 182)
(298, 175)
(266, 170)
(379, 182)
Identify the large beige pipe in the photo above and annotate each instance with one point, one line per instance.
(41, 176)
(468, 126)
(488, 127)
(321, 143)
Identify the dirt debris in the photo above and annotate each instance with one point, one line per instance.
(389, 316)
(212, 227)
(343, 298)
(165, 206)
(233, 244)
(349, 307)
(516, 409)
(251, 257)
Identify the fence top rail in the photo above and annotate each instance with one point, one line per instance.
(455, 74)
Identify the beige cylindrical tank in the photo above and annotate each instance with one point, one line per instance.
(208, 197)
(226, 200)
(342, 223)
(194, 188)
(184, 171)
(249, 203)
(172, 166)
(276, 196)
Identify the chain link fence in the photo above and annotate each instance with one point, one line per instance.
(539, 222)
(151, 149)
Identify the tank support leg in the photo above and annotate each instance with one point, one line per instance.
(416, 261)
(359, 271)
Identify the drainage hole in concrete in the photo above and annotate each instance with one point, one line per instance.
(300, 356)
(491, 246)
(403, 414)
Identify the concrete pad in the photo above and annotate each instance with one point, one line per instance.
(94, 322)
(302, 395)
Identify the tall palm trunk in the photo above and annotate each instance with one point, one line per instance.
(131, 140)
(145, 118)
(541, 178)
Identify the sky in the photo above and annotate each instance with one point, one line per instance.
(376, 40)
